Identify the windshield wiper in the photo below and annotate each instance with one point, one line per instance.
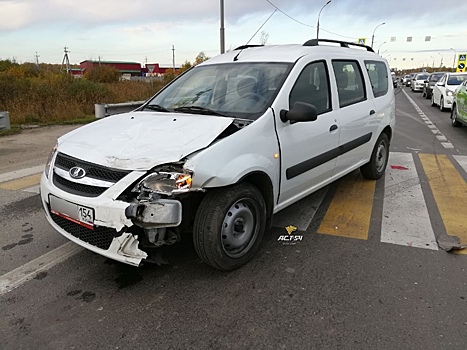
(157, 108)
(198, 110)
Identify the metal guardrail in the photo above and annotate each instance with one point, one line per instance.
(5, 121)
(103, 110)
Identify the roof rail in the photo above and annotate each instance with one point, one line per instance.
(243, 47)
(315, 42)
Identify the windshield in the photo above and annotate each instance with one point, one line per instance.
(436, 77)
(456, 79)
(241, 90)
(422, 76)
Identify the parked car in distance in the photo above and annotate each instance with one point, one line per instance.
(418, 81)
(405, 79)
(459, 106)
(219, 150)
(394, 79)
(444, 89)
(432, 79)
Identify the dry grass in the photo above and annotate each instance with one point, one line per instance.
(48, 97)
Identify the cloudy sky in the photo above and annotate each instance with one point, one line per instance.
(147, 30)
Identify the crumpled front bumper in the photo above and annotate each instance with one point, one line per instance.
(110, 235)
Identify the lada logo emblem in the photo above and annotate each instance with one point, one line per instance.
(77, 173)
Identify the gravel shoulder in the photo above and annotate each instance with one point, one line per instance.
(29, 148)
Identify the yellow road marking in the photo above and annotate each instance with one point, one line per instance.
(350, 211)
(24, 182)
(450, 192)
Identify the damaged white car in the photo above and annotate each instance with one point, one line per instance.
(217, 152)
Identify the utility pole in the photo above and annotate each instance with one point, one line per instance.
(37, 60)
(173, 57)
(222, 32)
(66, 61)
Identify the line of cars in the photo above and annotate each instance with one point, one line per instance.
(447, 90)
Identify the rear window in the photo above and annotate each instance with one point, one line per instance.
(378, 74)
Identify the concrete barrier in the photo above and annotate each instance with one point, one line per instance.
(103, 110)
(5, 121)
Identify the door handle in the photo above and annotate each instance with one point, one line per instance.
(333, 127)
(372, 112)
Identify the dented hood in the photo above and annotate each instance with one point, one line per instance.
(142, 140)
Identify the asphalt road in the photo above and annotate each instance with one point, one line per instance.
(330, 291)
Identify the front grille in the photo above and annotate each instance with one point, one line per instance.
(92, 170)
(101, 237)
(77, 188)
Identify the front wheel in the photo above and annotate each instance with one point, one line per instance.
(455, 123)
(375, 168)
(441, 104)
(433, 100)
(229, 226)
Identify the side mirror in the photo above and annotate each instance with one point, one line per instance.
(300, 112)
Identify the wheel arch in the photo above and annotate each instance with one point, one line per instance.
(264, 184)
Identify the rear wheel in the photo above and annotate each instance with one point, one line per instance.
(375, 168)
(229, 226)
(455, 123)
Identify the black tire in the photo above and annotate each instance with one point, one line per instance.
(229, 226)
(441, 104)
(424, 93)
(376, 167)
(433, 104)
(454, 122)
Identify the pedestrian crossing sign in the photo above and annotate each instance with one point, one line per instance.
(362, 41)
(461, 62)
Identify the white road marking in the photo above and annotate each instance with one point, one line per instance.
(22, 274)
(444, 141)
(462, 160)
(405, 215)
(301, 213)
(32, 189)
(17, 174)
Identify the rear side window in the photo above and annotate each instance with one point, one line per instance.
(312, 86)
(349, 78)
(378, 74)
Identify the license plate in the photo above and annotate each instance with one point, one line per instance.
(78, 214)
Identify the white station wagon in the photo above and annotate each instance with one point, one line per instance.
(218, 151)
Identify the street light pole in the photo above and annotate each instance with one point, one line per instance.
(441, 63)
(380, 46)
(319, 14)
(433, 65)
(222, 31)
(373, 36)
(455, 54)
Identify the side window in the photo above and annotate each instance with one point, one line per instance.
(378, 74)
(349, 79)
(312, 86)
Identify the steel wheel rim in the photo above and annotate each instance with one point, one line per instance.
(239, 228)
(381, 157)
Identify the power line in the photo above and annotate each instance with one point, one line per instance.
(261, 26)
(307, 25)
(293, 19)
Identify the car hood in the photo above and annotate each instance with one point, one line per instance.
(142, 140)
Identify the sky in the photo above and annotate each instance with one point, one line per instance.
(155, 31)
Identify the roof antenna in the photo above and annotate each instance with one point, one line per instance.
(262, 25)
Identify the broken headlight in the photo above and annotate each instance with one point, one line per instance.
(166, 183)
